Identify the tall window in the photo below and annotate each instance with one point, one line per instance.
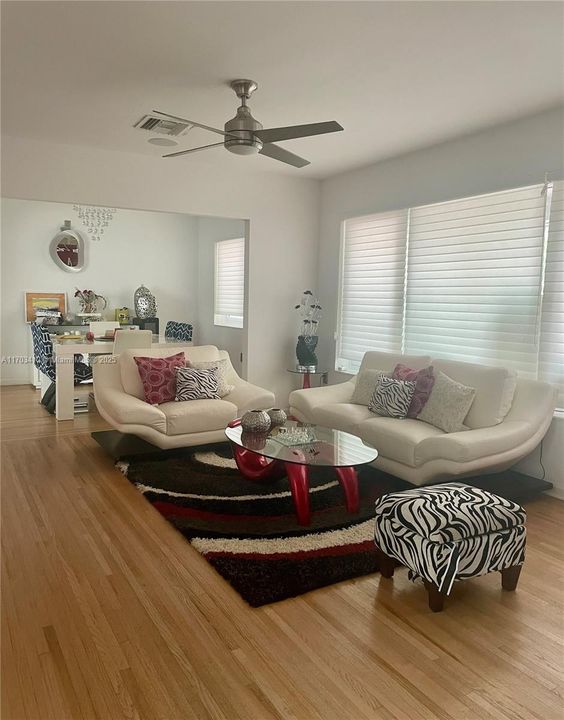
(372, 283)
(478, 279)
(551, 357)
(229, 282)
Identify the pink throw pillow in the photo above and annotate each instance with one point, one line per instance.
(424, 381)
(158, 376)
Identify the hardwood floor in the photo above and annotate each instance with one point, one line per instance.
(108, 613)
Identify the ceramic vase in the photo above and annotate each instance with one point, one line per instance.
(305, 350)
(255, 421)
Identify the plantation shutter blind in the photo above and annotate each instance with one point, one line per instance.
(473, 278)
(372, 285)
(551, 358)
(229, 282)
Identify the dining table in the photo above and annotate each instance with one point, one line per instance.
(63, 356)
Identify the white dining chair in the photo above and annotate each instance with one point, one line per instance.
(125, 339)
(99, 327)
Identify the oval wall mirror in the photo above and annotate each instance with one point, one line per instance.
(67, 249)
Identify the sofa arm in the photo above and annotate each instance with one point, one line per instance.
(471, 445)
(124, 409)
(306, 400)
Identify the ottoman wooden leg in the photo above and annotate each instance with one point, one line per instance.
(436, 597)
(386, 563)
(510, 577)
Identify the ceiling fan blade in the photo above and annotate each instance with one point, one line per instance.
(191, 122)
(191, 150)
(277, 153)
(297, 131)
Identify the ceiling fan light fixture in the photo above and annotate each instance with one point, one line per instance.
(243, 147)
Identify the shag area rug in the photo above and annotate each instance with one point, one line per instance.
(248, 530)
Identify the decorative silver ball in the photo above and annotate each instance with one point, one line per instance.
(256, 421)
(277, 417)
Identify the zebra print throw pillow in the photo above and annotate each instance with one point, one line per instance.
(392, 398)
(193, 384)
(366, 383)
(223, 388)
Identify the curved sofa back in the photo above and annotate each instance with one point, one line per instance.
(129, 373)
(500, 392)
(534, 401)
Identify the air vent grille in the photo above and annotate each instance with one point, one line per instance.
(162, 126)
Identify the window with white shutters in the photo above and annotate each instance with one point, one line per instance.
(229, 282)
(473, 279)
(372, 284)
(479, 279)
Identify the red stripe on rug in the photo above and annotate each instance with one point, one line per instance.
(332, 551)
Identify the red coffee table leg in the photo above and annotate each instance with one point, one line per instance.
(307, 381)
(299, 485)
(349, 482)
(254, 466)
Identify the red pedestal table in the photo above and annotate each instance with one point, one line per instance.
(260, 457)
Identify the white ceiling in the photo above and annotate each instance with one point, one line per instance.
(396, 75)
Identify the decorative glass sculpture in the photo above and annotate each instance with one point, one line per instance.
(310, 313)
(144, 303)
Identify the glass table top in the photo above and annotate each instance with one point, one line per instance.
(318, 445)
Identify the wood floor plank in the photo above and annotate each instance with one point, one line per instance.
(108, 614)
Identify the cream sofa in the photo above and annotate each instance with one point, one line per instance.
(120, 400)
(507, 420)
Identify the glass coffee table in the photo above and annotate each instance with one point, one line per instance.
(295, 447)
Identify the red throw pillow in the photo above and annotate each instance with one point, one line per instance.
(158, 376)
(424, 381)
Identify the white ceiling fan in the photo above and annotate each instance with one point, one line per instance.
(243, 135)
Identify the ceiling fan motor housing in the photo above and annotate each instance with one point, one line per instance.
(241, 139)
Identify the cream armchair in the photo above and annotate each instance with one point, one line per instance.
(120, 400)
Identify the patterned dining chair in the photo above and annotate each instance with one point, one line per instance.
(43, 356)
(42, 350)
(178, 331)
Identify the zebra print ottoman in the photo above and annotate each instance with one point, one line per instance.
(450, 532)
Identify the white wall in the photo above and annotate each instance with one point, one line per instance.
(552, 458)
(283, 212)
(156, 249)
(509, 155)
(209, 231)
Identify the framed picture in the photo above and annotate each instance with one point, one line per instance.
(44, 304)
